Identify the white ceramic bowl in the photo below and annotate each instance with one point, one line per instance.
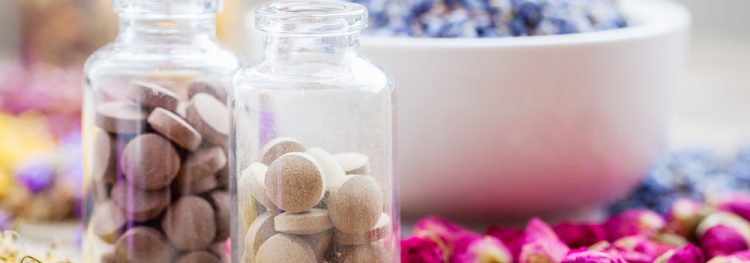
(515, 126)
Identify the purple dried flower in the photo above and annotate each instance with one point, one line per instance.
(686, 254)
(420, 250)
(633, 222)
(592, 256)
(580, 235)
(541, 244)
(722, 240)
(513, 238)
(479, 249)
(36, 174)
(684, 215)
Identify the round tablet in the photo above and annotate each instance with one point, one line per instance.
(378, 232)
(285, 248)
(321, 243)
(278, 147)
(373, 253)
(252, 182)
(138, 204)
(294, 182)
(205, 87)
(202, 163)
(104, 168)
(305, 223)
(190, 223)
(353, 163)
(120, 117)
(174, 128)
(142, 245)
(152, 95)
(198, 186)
(356, 205)
(199, 257)
(210, 117)
(220, 202)
(332, 171)
(150, 162)
(260, 230)
(108, 221)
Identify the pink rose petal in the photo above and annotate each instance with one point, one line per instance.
(420, 250)
(541, 244)
(580, 235)
(722, 240)
(476, 249)
(633, 222)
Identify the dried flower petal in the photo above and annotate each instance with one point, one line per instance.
(442, 229)
(513, 238)
(684, 215)
(642, 245)
(580, 235)
(737, 203)
(592, 256)
(633, 222)
(420, 250)
(481, 249)
(541, 244)
(722, 240)
(686, 254)
(727, 219)
(739, 257)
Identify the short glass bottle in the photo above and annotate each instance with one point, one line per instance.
(155, 126)
(313, 142)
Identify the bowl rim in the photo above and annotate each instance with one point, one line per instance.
(649, 18)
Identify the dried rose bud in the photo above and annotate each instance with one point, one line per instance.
(739, 257)
(580, 235)
(541, 244)
(480, 249)
(741, 225)
(642, 245)
(684, 215)
(737, 203)
(633, 222)
(420, 250)
(513, 238)
(592, 256)
(721, 240)
(442, 231)
(686, 254)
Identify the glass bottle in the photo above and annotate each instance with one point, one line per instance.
(313, 142)
(155, 126)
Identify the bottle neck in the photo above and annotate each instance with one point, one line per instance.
(161, 33)
(285, 47)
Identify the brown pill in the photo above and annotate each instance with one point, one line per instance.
(201, 164)
(150, 162)
(100, 192)
(108, 221)
(220, 202)
(152, 95)
(278, 147)
(294, 182)
(321, 243)
(285, 248)
(105, 158)
(142, 245)
(138, 204)
(305, 223)
(182, 109)
(199, 257)
(252, 182)
(199, 186)
(205, 87)
(353, 163)
(372, 253)
(174, 128)
(378, 232)
(222, 176)
(217, 249)
(108, 257)
(260, 230)
(332, 171)
(190, 223)
(120, 117)
(210, 117)
(356, 205)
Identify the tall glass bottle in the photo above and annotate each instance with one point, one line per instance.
(313, 140)
(155, 125)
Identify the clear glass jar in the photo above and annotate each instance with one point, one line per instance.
(155, 126)
(313, 141)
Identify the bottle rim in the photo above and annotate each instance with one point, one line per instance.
(166, 8)
(317, 17)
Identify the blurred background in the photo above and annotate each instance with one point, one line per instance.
(43, 44)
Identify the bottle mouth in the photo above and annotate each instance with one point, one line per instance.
(158, 9)
(317, 17)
